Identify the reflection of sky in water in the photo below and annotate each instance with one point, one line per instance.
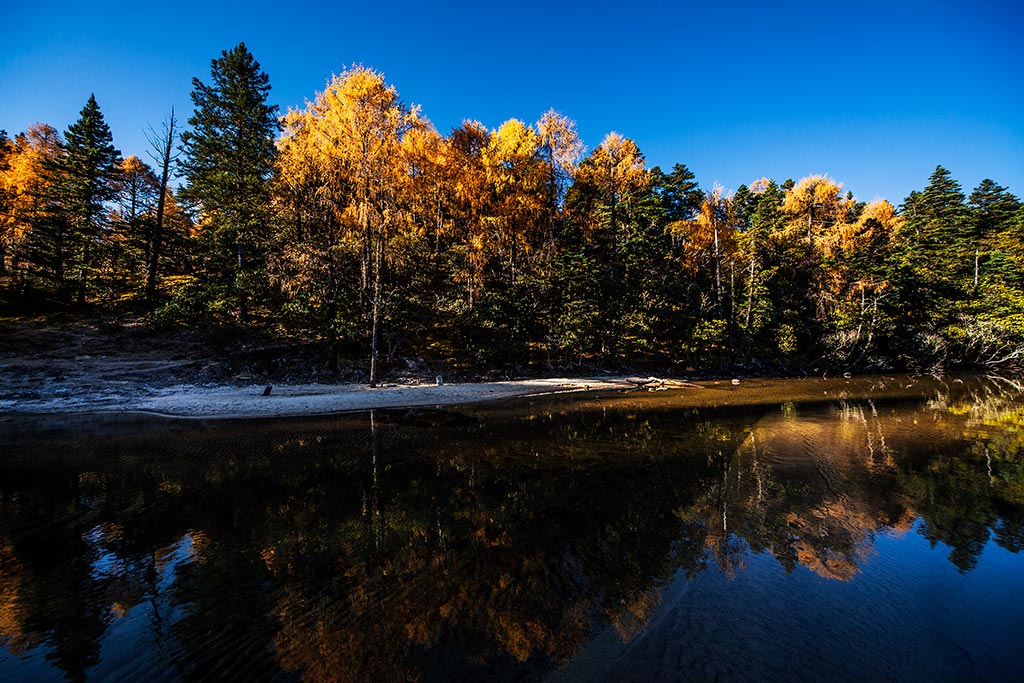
(138, 642)
(853, 540)
(134, 642)
(904, 617)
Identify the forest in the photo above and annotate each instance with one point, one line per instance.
(352, 222)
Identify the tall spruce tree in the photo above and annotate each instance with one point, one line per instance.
(942, 200)
(229, 155)
(993, 206)
(678, 191)
(69, 234)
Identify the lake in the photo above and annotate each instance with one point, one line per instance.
(820, 529)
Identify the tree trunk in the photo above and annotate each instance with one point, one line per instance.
(158, 228)
(82, 275)
(615, 303)
(376, 316)
(332, 314)
(243, 296)
(366, 256)
(750, 294)
(332, 340)
(977, 259)
(718, 274)
(732, 298)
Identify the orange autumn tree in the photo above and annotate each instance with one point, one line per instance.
(709, 238)
(133, 219)
(315, 246)
(515, 181)
(22, 183)
(505, 190)
(6, 149)
(814, 212)
(617, 172)
(342, 163)
(858, 281)
(465, 183)
(26, 182)
(560, 151)
(816, 204)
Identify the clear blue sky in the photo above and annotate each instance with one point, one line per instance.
(873, 93)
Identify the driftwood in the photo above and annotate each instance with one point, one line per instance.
(659, 384)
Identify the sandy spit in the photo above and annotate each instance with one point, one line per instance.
(212, 402)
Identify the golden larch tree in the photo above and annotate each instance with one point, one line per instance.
(29, 157)
(346, 153)
(516, 183)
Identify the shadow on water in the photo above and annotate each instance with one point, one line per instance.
(791, 535)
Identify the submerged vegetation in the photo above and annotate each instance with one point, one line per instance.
(353, 221)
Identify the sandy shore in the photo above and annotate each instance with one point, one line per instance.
(309, 399)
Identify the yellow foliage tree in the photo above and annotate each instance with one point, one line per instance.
(515, 179)
(855, 284)
(343, 156)
(22, 183)
(131, 243)
(560, 151)
(465, 181)
(617, 170)
(711, 235)
(816, 202)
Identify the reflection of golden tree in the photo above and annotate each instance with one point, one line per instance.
(807, 491)
(381, 596)
(632, 615)
(13, 612)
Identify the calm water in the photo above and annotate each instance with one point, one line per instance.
(863, 531)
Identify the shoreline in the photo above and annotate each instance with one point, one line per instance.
(233, 402)
(296, 400)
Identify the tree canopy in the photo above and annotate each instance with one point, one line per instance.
(353, 222)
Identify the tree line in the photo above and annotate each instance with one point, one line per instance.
(354, 220)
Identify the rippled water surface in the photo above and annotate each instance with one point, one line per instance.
(813, 530)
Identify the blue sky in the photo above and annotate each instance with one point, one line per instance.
(875, 94)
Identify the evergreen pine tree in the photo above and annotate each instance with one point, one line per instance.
(69, 232)
(679, 193)
(942, 201)
(939, 229)
(992, 206)
(229, 155)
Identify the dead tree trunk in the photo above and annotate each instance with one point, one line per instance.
(164, 146)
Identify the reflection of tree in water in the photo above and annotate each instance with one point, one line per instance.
(969, 494)
(91, 534)
(51, 593)
(444, 546)
(836, 481)
(811, 490)
(473, 564)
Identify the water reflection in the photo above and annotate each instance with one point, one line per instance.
(484, 544)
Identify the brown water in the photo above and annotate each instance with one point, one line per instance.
(803, 530)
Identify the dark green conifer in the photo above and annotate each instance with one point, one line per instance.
(678, 191)
(70, 231)
(229, 155)
(993, 207)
